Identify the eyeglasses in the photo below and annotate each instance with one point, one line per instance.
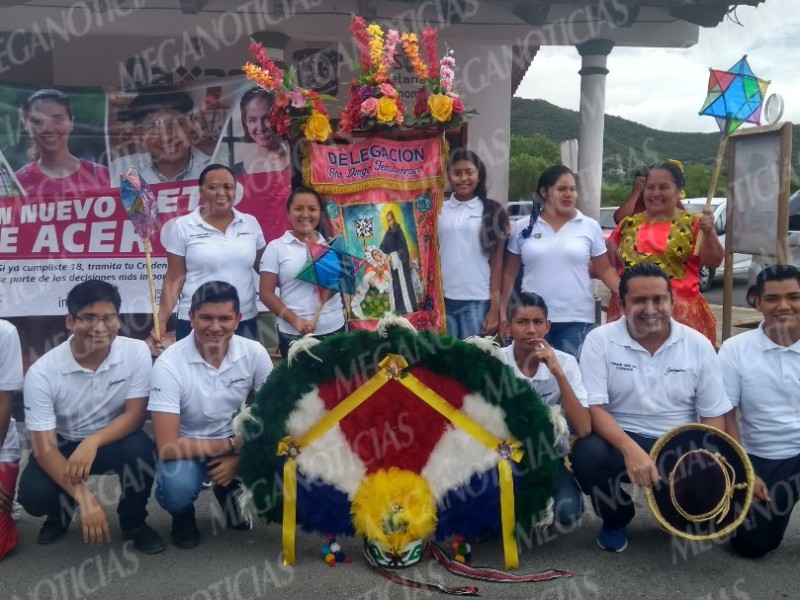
(166, 125)
(93, 320)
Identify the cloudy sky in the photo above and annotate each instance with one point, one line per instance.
(665, 89)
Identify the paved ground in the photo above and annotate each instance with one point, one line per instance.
(230, 565)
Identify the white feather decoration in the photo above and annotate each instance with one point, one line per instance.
(560, 428)
(487, 344)
(547, 515)
(304, 344)
(390, 320)
(241, 418)
(247, 505)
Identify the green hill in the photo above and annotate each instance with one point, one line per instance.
(626, 144)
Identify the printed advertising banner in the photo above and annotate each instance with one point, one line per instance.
(383, 196)
(64, 152)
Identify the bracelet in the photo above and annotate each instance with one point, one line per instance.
(232, 450)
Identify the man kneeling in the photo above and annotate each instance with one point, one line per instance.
(85, 404)
(198, 385)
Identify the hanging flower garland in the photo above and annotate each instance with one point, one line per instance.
(296, 111)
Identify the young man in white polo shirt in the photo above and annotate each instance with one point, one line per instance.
(761, 370)
(645, 374)
(198, 384)
(85, 404)
(10, 381)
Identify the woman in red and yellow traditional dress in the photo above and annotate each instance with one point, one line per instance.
(666, 235)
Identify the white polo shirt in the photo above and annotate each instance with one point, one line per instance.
(212, 255)
(543, 381)
(650, 395)
(10, 381)
(556, 265)
(207, 398)
(762, 379)
(286, 257)
(77, 402)
(464, 266)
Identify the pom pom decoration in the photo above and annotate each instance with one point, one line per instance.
(399, 436)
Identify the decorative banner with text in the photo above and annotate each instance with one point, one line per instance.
(62, 153)
(383, 197)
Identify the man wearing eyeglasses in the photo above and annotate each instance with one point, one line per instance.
(165, 128)
(85, 403)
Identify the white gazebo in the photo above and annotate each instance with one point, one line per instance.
(131, 43)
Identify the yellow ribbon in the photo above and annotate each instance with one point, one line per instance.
(393, 367)
(390, 367)
(509, 449)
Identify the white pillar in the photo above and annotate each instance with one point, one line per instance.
(592, 123)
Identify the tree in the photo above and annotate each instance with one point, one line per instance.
(523, 174)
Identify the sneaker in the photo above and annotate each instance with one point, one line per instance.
(52, 530)
(145, 539)
(184, 530)
(613, 540)
(228, 500)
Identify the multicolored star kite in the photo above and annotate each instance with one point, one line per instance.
(140, 204)
(331, 267)
(734, 97)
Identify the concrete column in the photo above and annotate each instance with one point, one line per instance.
(594, 54)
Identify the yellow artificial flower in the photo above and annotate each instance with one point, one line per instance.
(375, 44)
(259, 75)
(317, 128)
(387, 110)
(441, 107)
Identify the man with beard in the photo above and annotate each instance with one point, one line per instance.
(395, 246)
(644, 374)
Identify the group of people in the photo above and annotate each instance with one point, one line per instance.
(621, 385)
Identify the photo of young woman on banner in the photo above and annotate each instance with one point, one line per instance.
(382, 196)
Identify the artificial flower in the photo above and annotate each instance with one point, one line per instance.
(282, 100)
(387, 110)
(369, 107)
(375, 45)
(429, 35)
(317, 128)
(297, 98)
(421, 101)
(441, 107)
(366, 91)
(458, 105)
(388, 90)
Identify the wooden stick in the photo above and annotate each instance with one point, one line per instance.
(712, 188)
(152, 283)
(327, 295)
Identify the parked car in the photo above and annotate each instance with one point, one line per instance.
(606, 220)
(519, 209)
(741, 262)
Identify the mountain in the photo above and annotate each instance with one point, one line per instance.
(626, 144)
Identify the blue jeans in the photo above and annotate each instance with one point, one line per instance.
(178, 484)
(247, 329)
(568, 337)
(568, 499)
(465, 317)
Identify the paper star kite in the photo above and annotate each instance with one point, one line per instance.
(140, 204)
(331, 267)
(734, 97)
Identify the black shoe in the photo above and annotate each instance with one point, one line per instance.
(228, 499)
(145, 539)
(52, 530)
(184, 530)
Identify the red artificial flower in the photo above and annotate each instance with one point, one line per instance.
(282, 100)
(421, 102)
(458, 106)
(429, 36)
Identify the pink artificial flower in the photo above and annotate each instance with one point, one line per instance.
(298, 100)
(458, 105)
(369, 107)
(388, 90)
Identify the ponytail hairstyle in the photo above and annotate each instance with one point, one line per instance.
(494, 223)
(547, 179)
(322, 227)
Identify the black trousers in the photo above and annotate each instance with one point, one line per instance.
(133, 459)
(600, 469)
(766, 523)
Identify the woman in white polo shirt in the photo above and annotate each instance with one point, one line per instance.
(298, 304)
(555, 248)
(215, 242)
(472, 230)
